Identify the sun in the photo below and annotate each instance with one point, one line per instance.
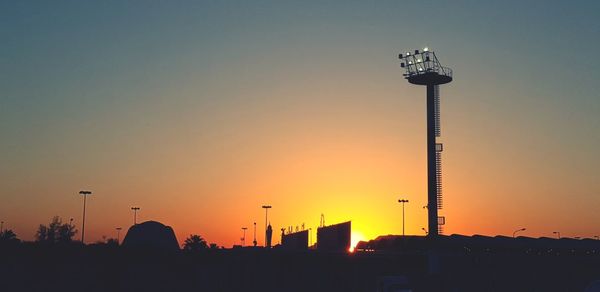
(355, 237)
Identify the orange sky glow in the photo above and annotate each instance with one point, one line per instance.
(200, 116)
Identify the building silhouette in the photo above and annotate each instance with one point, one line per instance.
(334, 237)
(151, 234)
(295, 241)
(269, 234)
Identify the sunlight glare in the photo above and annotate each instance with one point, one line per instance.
(355, 238)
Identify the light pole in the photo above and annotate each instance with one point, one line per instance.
(135, 209)
(84, 194)
(309, 237)
(118, 234)
(71, 222)
(557, 233)
(266, 207)
(1, 226)
(402, 201)
(518, 230)
(254, 242)
(244, 238)
(424, 68)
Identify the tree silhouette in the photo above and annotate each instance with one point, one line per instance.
(55, 232)
(194, 243)
(112, 242)
(7, 236)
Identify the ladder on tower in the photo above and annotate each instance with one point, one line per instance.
(439, 147)
(438, 173)
(436, 115)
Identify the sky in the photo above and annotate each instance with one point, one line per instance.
(200, 112)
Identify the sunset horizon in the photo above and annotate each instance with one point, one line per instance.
(201, 114)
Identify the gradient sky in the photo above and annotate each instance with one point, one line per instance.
(200, 112)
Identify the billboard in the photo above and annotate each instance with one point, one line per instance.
(295, 241)
(334, 237)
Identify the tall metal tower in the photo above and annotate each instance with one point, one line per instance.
(423, 68)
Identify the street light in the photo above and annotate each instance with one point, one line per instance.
(84, 194)
(244, 238)
(402, 201)
(518, 230)
(254, 242)
(266, 207)
(118, 234)
(135, 209)
(557, 233)
(309, 237)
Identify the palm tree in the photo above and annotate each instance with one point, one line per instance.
(194, 243)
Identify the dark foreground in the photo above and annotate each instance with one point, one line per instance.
(103, 268)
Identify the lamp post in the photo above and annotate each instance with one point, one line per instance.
(266, 207)
(402, 201)
(557, 233)
(84, 194)
(518, 230)
(254, 241)
(135, 209)
(244, 238)
(309, 237)
(118, 234)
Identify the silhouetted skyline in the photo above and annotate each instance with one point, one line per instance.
(202, 113)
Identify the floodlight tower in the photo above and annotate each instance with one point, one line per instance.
(84, 194)
(119, 234)
(135, 209)
(423, 68)
(244, 238)
(266, 207)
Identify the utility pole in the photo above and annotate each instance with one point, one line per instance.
(266, 207)
(135, 209)
(402, 201)
(84, 194)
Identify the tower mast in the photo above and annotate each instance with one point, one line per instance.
(423, 68)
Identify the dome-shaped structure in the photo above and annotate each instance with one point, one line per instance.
(151, 234)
